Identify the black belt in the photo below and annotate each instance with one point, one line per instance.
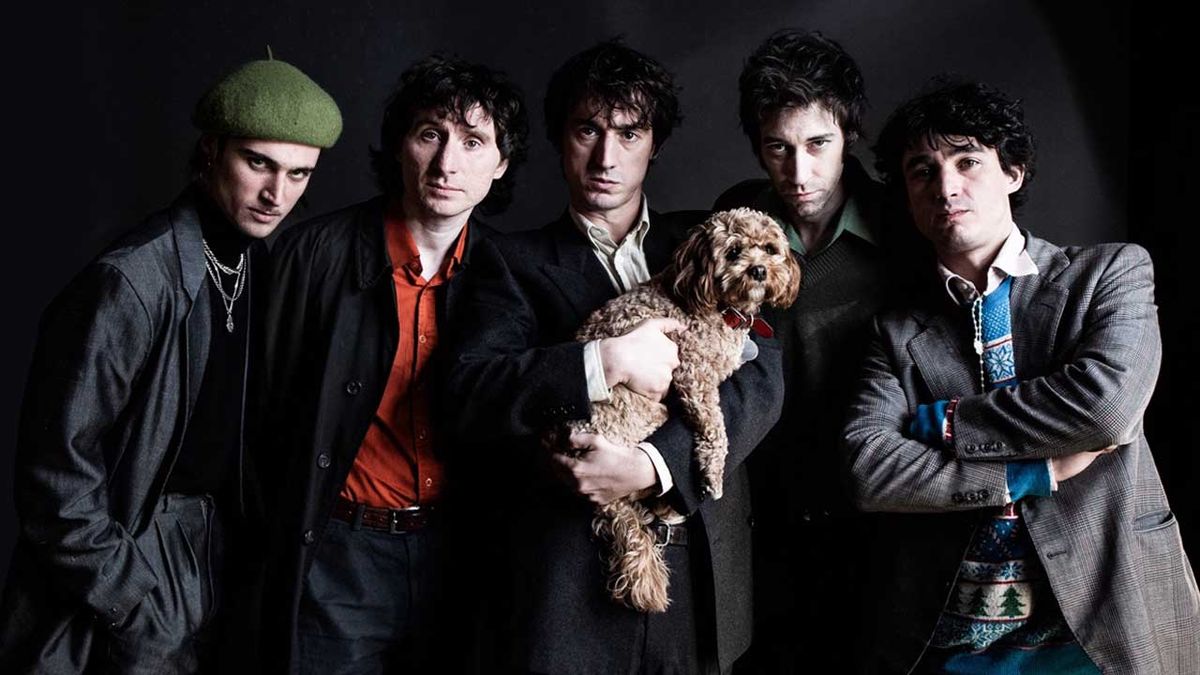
(668, 534)
(394, 521)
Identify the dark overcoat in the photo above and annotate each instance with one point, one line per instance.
(330, 339)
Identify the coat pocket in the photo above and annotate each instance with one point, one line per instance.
(1169, 590)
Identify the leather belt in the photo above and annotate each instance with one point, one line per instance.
(394, 521)
(666, 534)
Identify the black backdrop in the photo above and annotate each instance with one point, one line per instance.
(99, 102)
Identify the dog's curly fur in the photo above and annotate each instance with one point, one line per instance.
(715, 269)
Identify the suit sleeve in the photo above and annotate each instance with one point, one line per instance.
(751, 401)
(502, 381)
(1096, 398)
(93, 342)
(890, 472)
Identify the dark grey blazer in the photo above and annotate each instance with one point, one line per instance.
(1086, 342)
(516, 370)
(118, 365)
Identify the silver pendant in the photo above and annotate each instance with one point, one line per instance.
(229, 322)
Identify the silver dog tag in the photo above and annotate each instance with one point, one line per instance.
(749, 349)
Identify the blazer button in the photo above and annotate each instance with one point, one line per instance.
(984, 494)
(309, 537)
(323, 460)
(353, 387)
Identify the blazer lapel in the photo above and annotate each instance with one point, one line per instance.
(661, 241)
(1037, 304)
(943, 356)
(185, 224)
(578, 275)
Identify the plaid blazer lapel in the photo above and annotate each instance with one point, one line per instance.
(946, 362)
(1038, 302)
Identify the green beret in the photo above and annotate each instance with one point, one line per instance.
(270, 100)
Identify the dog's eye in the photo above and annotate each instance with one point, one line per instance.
(770, 249)
(733, 253)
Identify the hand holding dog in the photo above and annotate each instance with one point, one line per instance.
(644, 358)
(604, 471)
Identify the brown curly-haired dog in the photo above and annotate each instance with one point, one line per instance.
(719, 278)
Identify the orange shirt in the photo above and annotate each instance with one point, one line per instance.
(396, 466)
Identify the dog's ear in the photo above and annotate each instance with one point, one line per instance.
(785, 294)
(689, 277)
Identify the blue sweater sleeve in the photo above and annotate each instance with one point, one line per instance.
(928, 422)
(1026, 478)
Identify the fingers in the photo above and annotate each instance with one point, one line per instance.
(582, 440)
(665, 325)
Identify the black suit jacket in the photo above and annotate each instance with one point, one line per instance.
(515, 370)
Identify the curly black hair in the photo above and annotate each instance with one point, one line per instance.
(792, 69)
(613, 76)
(453, 87)
(952, 112)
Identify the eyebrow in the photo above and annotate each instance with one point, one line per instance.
(954, 151)
(441, 122)
(275, 165)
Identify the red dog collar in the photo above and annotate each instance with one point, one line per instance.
(735, 319)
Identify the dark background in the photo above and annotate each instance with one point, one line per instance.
(100, 98)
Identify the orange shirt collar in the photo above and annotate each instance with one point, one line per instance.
(402, 250)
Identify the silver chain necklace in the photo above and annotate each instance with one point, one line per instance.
(215, 269)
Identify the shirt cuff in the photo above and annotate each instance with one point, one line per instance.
(593, 368)
(1028, 478)
(1050, 472)
(665, 482)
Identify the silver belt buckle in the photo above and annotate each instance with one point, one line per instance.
(667, 537)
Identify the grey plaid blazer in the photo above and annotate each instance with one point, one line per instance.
(1086, 342)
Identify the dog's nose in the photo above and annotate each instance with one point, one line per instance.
(758, 273)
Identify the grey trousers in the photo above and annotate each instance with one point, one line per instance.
(170, 631)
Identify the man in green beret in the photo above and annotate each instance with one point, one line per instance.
(130, 464)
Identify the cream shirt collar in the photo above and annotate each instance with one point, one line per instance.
(599, 237)
(1012, 260)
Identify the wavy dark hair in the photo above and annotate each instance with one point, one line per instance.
(792, 69)
(453, 87)
(949, 112)
(614, 76)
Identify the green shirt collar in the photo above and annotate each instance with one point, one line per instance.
(850, 219)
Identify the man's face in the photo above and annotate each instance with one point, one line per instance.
(801, 150)
(448, 166)
(605, 155)
(958, 194)
(256, 183)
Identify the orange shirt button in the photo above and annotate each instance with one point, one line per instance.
(421, 435)
(421, 339)
(428, 482)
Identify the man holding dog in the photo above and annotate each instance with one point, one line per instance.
(365, 499)
(518, 372)
(801, 105)
(998, 422)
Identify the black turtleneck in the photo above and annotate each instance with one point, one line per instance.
(208, 458)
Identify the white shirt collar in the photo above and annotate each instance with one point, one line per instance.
(1012, 260)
